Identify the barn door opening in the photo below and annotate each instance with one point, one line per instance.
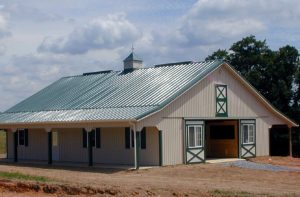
(222, 139)
(194, 145)
(279, 140)
(247, 138)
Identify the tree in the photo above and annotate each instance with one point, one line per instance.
(218, 55)
(272, 73)
(251, 58)
(283, 76)
(296, 98)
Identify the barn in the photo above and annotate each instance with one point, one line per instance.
(168, 114)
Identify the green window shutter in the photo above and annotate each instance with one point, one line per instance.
(132, 139)
(26, 136)
(127, 138)
(143, 138)
(93, 139)
(84, 138)
(221, 101)
(98, 138)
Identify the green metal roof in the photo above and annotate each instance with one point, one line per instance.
(132, 57)
(112, 95)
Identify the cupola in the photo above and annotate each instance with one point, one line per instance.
(133, 62)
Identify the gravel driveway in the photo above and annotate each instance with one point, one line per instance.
(261, 166)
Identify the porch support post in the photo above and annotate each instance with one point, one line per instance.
(160, 148)
(291, 141)
(137, 147)
(89, 145)
(48, 130)
(15, 144)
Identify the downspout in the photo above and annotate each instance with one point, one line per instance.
(133, 127)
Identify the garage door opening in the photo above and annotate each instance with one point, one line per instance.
(279, 140)
(222, 139)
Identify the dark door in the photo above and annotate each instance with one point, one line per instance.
(279, 141)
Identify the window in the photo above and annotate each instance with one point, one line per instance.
(195, 136)
(221, 101)
(96, 138)
(23, 137)
(248, 133)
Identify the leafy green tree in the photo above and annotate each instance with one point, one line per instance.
(296, 98)
(251, 58)
(218, 55)
(283, 73)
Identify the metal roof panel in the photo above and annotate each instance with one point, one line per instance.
(132, 94)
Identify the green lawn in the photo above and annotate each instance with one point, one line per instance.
(20, 176)
(2, 142)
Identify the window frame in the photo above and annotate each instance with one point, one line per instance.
(201, 144)
(248, 133)
(55, 138)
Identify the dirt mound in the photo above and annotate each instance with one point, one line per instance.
(25, 187)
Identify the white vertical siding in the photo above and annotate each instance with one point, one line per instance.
(37, 146)
(113, 149)
(150, 155)
(71, 146)
(199, 102)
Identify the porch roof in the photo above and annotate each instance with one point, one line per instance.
(110, 95)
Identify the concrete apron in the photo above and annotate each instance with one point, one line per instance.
(223, 160)
(34, 163)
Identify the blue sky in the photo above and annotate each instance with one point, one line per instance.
(42, 41)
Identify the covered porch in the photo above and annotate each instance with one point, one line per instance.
(114, 144)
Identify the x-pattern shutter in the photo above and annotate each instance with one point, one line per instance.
(221, 101)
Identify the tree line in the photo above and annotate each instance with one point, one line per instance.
(274, 73)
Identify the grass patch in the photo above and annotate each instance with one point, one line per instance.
(225, 193)
(20, 176)
(2, 142)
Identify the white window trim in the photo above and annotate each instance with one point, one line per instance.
(248, 125)
(195, 139)
(55, 139)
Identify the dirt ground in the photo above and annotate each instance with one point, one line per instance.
(181, 180)
(281, 161)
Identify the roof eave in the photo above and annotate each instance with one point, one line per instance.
(16, 124)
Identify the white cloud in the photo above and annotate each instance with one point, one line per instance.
(4, 31)
(211, 22)
(81, 37)
(101, 33)
(24, 11)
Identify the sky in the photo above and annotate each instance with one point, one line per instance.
(42, 41)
